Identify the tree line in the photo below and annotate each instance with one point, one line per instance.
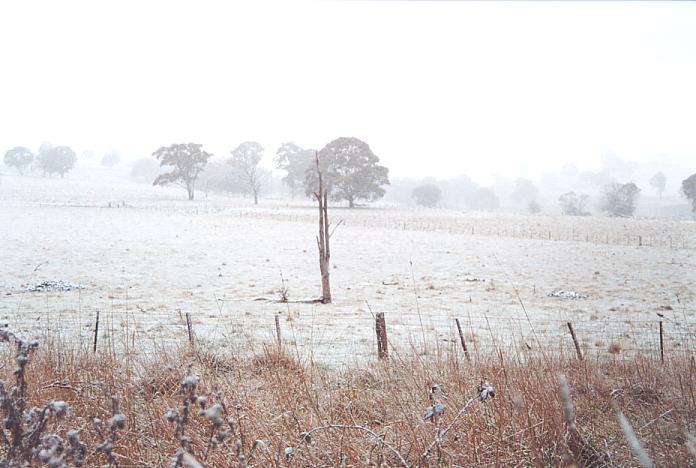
(49, 160)
(615, 199)
(352, 172)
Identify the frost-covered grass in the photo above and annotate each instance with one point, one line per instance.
(145, 265)
(182, 406)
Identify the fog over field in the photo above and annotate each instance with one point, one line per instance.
(321, 219)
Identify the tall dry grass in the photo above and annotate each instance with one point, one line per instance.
(264, 408)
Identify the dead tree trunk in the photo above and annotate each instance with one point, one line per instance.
(323, 239)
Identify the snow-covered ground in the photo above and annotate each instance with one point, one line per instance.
(145, 257)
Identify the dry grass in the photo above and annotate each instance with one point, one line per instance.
(283, 412)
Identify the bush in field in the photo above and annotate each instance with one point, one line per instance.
(619, 200)
(187, 160)
(19, 157)
(427, 195)
(573, 204)
(56, 160)
(688, 189)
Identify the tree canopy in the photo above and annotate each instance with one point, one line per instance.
(351, 171)
(688, 189)
(658, 182)
(187, 161)
(295, 161)
(19, 157)
(56, 159)
(427, 195)
(619, 200)
(524, 192)
(573, 204)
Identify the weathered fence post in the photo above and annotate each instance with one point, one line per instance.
(190, 328)
(461, 338)
(96, 333)
(381, 330)
(662, 345)
(277, 325)
(575, 341)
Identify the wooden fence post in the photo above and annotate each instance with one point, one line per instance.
(662, 345)
(277, 325)
(190, 328)
(461, 338)
(575, 341)
(96, 334)
(381, 330)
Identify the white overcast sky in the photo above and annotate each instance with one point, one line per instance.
(435, 88)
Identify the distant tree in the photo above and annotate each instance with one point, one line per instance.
(458, 191)
(619, 200)
(573, 204)
(56, 159)
(427, 195)
(245, 159)
(187, 161)
(145, 170)
(658, 182)
(295, 161)
(351, 172)
(19, 157)
(110, 159)
(220, 176)
(688, 189)
(534, 206)
(524, 192)
(484, 199)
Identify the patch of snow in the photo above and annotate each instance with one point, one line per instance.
(568, 294)
(59, 285)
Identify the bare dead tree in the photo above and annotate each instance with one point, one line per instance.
(323, 238)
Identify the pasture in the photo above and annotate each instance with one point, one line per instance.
(144, 257)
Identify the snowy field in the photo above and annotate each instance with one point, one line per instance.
(144, 257)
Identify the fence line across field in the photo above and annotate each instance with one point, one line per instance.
(352, 333)
(650, 233)
(652, 236)
(656, 339)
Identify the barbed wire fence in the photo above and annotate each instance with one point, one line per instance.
(343, 338)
